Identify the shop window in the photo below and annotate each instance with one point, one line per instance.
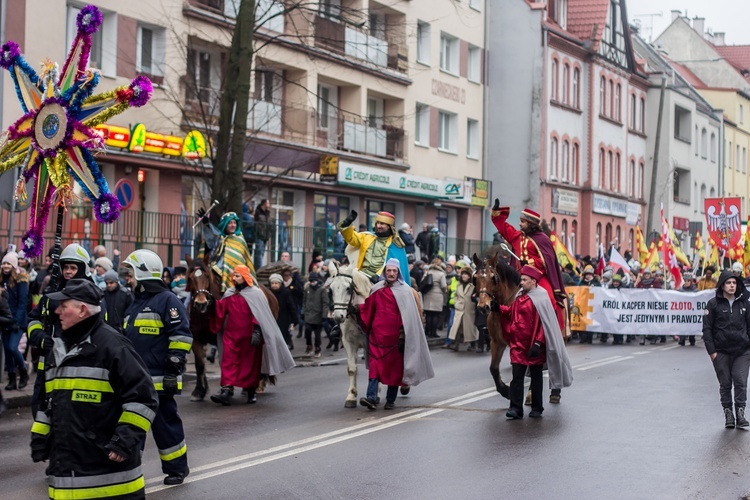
(329, 210)
(373, 207)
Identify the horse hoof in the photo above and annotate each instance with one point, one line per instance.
(350, 403)
(504, 391)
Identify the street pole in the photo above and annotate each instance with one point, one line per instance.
(654, 169)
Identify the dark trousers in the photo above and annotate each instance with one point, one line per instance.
(309, 330)
(170, 436)
(731, 370)
(516, 387)
(484, 339)
(433, 320)
(372, 391)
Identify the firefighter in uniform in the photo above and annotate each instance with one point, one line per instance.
(74, 263)
(157, 325)
(101, 404)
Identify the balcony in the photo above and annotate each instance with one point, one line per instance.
(347, 132)
(353, 43)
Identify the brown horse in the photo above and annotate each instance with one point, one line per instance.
(204, 286)
(495, 283)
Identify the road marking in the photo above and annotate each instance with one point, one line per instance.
(609, 362)
(333, 437)
(595, 362)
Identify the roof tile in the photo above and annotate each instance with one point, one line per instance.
(586, 15)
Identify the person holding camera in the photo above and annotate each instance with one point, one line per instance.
(157, 325)
(398, 354)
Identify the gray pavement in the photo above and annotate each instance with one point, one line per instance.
(639, 422)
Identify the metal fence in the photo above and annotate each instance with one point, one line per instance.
(172, 236)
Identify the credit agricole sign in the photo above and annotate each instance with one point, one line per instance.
(351, 174)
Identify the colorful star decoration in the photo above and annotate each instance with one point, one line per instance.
(54, 141)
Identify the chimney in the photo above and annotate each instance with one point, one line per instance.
(699, 24)
(719, 38)
(676, 14)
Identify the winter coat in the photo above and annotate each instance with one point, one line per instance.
(18, 300)
(522, 326)
(465, 313)
(435, 298)
(408, 240)
(262, 224)
(480, 318)
(287, 309)
(6, 317)
(725, 325)
(315, 305)
(117, 303)
(102, 399)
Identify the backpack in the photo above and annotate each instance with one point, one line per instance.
(426, 284)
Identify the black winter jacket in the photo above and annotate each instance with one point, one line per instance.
(288, 314)
(101, 400)
(725, 325)
(117, 303)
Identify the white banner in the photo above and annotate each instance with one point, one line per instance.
(637, 312)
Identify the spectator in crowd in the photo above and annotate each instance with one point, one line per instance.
(248, 225)
(93, 448)
(569, 275)
(707, 281)
(16, 284)
(433, 296)
(179, 283)
(417, 271)
(166, 276)
(101, 266)
(480, 321)
(422, 242)
(288, 312)
(6, 321)
(407, 237)
(263, 231)
(463, 312)
(315, 310)
(725, 334)
(25, 265)
(317, 258)
(647, 280)
(588, 279)
(101, 251)
(293, 283)
(117, 300)
(688, 285)
(451, 279)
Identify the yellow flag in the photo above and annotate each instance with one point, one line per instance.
(681, 257)
(563, 256)
(640, 246)
(713, 256)
(699, 246)
(653, 256)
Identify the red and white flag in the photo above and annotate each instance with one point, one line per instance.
(601, 264)
(670, 259)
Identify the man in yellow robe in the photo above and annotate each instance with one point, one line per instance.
(226, 247)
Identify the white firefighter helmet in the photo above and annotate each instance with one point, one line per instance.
(76, 253)
(146, 265)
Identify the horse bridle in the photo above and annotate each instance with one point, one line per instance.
(352, 290)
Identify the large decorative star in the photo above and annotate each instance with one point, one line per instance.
(54, 140)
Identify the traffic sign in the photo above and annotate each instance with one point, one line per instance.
(125, 193)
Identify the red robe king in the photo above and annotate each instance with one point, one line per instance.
(522, 326)
(537, 251)
(240, 361)
(380, 317)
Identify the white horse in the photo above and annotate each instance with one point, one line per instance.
(349, 288)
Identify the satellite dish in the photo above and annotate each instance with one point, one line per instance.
(7, 190)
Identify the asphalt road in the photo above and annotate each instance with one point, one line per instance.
(639, 422)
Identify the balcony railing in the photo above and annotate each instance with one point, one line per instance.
(346, 40)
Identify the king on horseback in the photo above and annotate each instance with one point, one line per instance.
(226, 246)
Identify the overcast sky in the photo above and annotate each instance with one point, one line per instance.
(729, 16)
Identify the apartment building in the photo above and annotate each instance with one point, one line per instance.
(355, 104)
(571, 138)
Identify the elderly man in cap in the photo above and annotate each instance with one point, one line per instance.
(375, 249)
(535, 249)
(226, 245)
(534, 337)
(397, 348)
(101, 404)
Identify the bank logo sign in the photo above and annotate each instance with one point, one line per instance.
(384, 180)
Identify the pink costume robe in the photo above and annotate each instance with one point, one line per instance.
(381, 318)
(240, 362)
(522, 326)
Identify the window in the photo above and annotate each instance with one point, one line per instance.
(553, 159)
(375, 112)
(422, 129)
(631, 240)
(472, 138)
(269, 14)
(563, 231)
(103, 55)
(729, 155)
(609, 171)
(423, 42)
(616, 174)
(744, 159)
(447, 131)
(610, 93)
(328, 209)
(203, 80)
(554, 82)
(618, 235)
(150, 51)
(601, 168)
(558, 11)
(639, 185)
(632, 118)
(268, 85)
(565, 161)
(574, 163)
(682, 128)
(327, 104)
(617, 115)
(737, 161)
(602, 96)
(553, 224)
(629, 178)
(449, 54)
(697, 144)
(701, 202)
(742, 114)
(713, 147)
(378, 25)
(330, 9)
(643, 115)
(572, 238)
(704, 143)
(566, 84)
(598, 233)
(474, 64)
(576, 101)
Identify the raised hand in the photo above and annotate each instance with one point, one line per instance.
(496, 206)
